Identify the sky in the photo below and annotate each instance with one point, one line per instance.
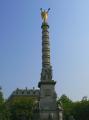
(20, 45)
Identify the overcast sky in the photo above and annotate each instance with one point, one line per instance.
(20, 45)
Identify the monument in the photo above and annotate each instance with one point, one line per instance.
(48, 108)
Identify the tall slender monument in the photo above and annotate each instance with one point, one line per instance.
(48, 109)
(45, 107)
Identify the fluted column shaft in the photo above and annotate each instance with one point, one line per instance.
(46, 73)
(45, 45)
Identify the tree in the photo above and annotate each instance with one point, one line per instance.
(67, 105)
(21, 108)
(1, 97)
(81, 110)
(4, 112)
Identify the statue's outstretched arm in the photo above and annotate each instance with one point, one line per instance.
(41, 9)
(48, 10)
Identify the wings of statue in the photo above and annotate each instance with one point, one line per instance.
(44, 14)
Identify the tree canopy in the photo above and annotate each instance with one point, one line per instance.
(79, 110)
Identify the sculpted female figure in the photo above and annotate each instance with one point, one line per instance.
(44, 14)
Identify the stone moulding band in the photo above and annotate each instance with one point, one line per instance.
(46, 82)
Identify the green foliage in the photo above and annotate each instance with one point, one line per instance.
(1, 97)
(21, 108)
(17, 108)
(81, 110)
(4, 112)
(67, 105)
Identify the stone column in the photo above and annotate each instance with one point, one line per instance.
(46, 73)
(45, 45)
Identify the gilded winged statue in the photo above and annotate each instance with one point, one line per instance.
(44, 14)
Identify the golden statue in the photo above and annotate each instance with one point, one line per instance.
(44, 14)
